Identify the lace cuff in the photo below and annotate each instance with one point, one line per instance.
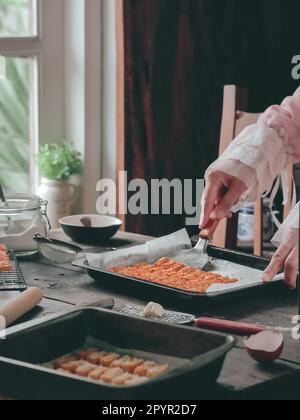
(260, 148)
(241, 171)
(288, 233)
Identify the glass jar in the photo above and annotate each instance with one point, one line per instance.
(21, 217)
(246, 224)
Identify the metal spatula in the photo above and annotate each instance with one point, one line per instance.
(198, 257)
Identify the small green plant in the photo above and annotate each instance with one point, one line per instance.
(59, 162)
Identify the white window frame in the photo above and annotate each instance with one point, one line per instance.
(47, 107)
(76, 85)
(90, 90)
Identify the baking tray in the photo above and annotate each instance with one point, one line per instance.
(29, 345)
(13, 281)
(178, 298)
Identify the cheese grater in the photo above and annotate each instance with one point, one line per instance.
(169, 317)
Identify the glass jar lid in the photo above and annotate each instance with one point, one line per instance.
(20, 203)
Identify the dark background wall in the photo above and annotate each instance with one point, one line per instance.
(178, 56)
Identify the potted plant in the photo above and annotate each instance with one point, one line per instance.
(57, 164)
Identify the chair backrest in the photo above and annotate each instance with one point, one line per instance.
(234, 121)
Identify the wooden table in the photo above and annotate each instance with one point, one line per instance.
(241, 378)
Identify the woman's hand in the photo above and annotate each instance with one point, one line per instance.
(222, 192)
(287, 258)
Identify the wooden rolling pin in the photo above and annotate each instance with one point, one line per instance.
(22, 304)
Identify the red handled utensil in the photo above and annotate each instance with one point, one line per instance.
(232, 327)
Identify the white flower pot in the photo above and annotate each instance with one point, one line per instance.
(61, 195)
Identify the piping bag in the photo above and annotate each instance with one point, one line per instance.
(19, 306)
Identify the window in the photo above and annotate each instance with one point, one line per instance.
(18, 18)
(16, 95)
(31, 87)
(51, 88)
(18, 90)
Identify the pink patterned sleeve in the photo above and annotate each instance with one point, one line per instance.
(288, 233)
(285, 120)
(264, 150)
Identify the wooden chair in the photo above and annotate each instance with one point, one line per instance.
(233, 122)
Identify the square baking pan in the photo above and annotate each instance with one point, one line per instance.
(29, 346)
(181, 299)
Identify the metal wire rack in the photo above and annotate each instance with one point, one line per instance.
(13, 281)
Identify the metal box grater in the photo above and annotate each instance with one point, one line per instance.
(169, 316)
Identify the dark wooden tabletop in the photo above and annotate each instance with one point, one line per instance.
(241, 378)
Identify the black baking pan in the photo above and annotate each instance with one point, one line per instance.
(180, 299)
(27, 347)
